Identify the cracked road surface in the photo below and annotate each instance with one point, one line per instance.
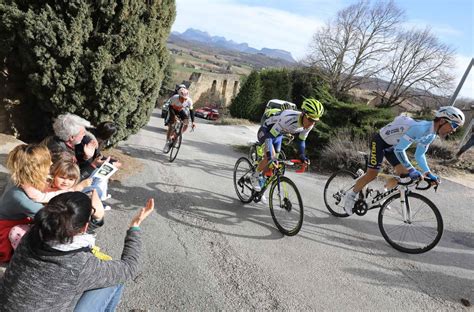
(204, 250)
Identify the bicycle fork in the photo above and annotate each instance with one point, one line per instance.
(406, 212)
(282, 193)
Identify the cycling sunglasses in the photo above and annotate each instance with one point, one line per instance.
(454, 125)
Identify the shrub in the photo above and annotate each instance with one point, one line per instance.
(102, 60)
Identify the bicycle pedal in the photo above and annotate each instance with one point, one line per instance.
(361, 207)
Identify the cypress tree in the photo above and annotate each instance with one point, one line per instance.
(102, 60)
(249, 98)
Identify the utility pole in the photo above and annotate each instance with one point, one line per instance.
(455, 95)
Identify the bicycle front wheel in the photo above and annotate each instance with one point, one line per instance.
(338, 184)
(286, 206)
(414, 231)
(243, 170)
(175, 147)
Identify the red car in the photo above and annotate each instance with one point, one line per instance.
(207, 113)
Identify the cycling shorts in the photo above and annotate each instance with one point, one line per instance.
(264, 133)
(182, 114)
(378, 149)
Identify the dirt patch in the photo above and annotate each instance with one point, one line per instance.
(129, 166)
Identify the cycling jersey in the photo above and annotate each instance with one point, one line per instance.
(177, 105)
(403, 132)
(268, 113)
(287, 122)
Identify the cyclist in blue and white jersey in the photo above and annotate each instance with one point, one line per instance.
(393, 140)
(287, 122)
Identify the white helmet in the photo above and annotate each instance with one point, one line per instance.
(451, 113)
(183, 92)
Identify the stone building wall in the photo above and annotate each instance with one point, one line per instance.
(226, 86)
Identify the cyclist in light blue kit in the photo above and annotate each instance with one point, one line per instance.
(393, 140)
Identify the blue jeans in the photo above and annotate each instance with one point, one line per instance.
(100, 300)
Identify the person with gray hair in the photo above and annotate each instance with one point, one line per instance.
(69, 129)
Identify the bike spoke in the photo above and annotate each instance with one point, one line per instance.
(419, 233)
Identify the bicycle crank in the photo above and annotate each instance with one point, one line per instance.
(361, 207)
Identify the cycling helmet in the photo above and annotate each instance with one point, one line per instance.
(183, 92)
(285, 106)
(312, 108)
(451, 113)
(179, 86)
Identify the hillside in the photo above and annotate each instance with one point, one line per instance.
(199, 56)
(196, 35)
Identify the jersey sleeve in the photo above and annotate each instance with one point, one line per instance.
(400, 149)
(420, 157)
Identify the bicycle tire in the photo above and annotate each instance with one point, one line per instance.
(243, 186)
(391, 222)
(287, 219)
(334, 191)
(175, 147)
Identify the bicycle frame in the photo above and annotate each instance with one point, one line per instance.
(277, 173)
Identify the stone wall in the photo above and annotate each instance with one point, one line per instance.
(226, 86)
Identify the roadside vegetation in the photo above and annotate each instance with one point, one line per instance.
(364, 42)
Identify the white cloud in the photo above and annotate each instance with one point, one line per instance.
(442, 30)
(258, 26)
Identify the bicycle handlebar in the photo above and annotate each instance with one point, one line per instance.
(429, 182)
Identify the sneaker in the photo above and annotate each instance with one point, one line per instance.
(167, 147)
(255, 180)
(263, 200)
(349, 202)
(107, 207)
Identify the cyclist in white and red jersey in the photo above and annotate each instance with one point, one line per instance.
(394, 139)
(287, 122)
(181, 105)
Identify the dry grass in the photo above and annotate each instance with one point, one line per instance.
(343, 153)
(228, 121)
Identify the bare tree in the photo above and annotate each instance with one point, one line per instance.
(418, 67)
(348, 49)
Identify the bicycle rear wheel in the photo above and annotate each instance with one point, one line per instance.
(338, 184)
(243, 169)
(286, 206)
(417, 235)
(175, 147)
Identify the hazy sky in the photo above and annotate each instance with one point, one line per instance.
(289, 25)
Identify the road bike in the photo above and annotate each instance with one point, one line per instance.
(286, 205)
(257, 149)
(176, 138)
(408, 221)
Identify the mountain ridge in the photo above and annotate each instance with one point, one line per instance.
(192, 34)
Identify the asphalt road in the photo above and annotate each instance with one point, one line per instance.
(205, 250)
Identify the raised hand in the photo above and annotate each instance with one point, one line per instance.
(143, 213)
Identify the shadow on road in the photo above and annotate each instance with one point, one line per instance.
(199, 208)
